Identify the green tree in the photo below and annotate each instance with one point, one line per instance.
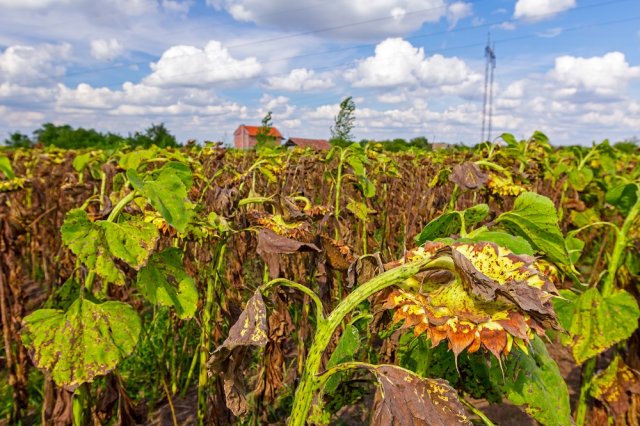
(18, 140)
(156, 134)
(264, 136)
(341, 130)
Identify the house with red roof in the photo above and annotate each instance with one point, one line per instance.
(317, 144)
(245, 136)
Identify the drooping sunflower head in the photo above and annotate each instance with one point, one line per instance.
(492, 300)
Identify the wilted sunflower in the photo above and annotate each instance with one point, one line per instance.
(490, 298)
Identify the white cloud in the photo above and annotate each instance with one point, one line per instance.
(26, 64)
(32, 4)
(538, 10)
(192, 66)
(278, 105)
(181, 7)
(506, 25)
(398, 63)
(603, 75)
(392, 98)
(339, 19)
(300, 79)
(550, 33)
(106, 50)
(457, 11)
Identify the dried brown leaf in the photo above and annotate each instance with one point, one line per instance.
(410, 400)
(249, 330)
(468, 176)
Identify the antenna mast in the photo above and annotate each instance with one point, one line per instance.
(487, 103)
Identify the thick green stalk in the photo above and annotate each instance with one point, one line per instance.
(309, 382)
(618, 250)
(588, 370)
(336, 209)
(205, 335)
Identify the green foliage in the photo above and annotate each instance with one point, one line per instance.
(6, 168)
(67, 137)
(450, 223)
(264, 137)
(596, 322)
(132, 240)
(86, 240)
(18, 140)
(344, 122)
(516, 244)
(534, 381)
(164, 281)
(472, 373)
(86, 341)
(345, 351)
(534, 218)
(166, 191)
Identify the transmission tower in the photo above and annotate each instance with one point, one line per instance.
(487, 104)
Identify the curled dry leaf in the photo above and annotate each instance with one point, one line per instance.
(407, 399)
(249, 330)
(468, 176)
(270, 245)
(494, 300)
(364, 268)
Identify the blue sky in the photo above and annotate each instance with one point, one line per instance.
(570, 68)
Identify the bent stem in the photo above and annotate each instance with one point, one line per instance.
(309, 382)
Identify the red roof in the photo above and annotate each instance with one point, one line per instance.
(253, 131)
(319, 144)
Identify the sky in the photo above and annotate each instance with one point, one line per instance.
(569, 68)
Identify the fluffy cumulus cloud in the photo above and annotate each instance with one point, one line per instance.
(32, 64)
(457, 11)
(192, 66)
(300, 79)
(602, 75)
(339, 19)
(106, 49)
(397, 62)
(538, 10)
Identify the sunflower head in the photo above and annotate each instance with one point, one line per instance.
(493, 299)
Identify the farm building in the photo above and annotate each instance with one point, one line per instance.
(317, 144)
(245, 136)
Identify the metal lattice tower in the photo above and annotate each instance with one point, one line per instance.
(487, 104)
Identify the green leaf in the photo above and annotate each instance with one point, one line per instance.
(580, 178)
(449, 223)
(133, 159)
(81, 161)
(368, 188)
(516, 244)
(167, 194)
(359, 209)
(534, 218)
(131, 241)
(348, 345)
(165, 282)
(596, 322)
(86, 240)
(509, 139)
(623, 196)
(574, 246)
(86, 341)
(535, 382)
(356, 164)
(5, 167)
